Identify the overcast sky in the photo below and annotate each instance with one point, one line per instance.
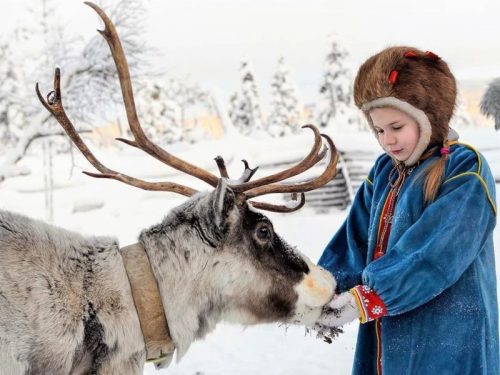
(207, 39)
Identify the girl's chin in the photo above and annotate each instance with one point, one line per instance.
(399, 157)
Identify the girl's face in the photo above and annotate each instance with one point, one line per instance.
(398, 133)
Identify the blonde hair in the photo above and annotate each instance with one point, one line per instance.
(434, 173)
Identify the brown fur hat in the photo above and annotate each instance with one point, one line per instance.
(416, 82)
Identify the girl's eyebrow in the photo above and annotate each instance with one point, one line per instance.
(393, 123)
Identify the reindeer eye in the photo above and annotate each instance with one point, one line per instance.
(264, 233)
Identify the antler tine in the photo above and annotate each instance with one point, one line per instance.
(221, 164)
(140, 139)
(280, 208)
(54, 105)
(247, 172)
(310, 160)
(245, 176)
(327, 175)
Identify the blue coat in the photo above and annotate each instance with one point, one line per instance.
(437, 278)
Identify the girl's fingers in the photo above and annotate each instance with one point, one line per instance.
(340, 301)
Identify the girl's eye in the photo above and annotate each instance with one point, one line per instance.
(399, 127)
(379, 131)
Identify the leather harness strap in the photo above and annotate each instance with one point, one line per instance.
(147, 300)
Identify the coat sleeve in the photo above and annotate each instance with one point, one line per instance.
(437, 249)
(345, 254)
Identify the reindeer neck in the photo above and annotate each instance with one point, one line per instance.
(192, 305)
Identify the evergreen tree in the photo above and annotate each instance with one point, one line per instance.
(284, 115)
(166, 109)
(12, 112)
(160, 116)
(244, 106)
(490, 102)
(335, 103)
(191, 101)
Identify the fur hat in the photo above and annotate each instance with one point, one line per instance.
(415, 82)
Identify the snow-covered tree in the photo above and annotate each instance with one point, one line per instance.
(192, 101)
(160, 116)
(490, 102)
(285, 108)
(244, 106)
(166, 109)
(461, 118)
(335, 105)
(89, 80)
(12, 112)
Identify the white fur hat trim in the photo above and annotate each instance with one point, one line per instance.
(417, 114)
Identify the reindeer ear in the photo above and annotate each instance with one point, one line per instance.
(224, 201)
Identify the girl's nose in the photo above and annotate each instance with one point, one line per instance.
(389, 139)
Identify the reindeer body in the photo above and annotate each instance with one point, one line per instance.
(66, 304)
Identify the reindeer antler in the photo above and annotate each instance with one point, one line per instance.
(244, 188)
(327, 175)
(54, 105)
(141, 141)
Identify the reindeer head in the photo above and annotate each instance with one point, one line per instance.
(216, 250)
(216, 258)
(263, 278)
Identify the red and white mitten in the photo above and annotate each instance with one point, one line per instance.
(341, 310)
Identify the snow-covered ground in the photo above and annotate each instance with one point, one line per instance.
(107, 207)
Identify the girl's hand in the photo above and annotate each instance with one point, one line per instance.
(341, 310)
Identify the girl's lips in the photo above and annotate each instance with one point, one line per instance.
(395, 152)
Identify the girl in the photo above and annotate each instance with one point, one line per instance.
(414, 259)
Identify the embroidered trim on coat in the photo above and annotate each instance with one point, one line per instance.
(369, 303)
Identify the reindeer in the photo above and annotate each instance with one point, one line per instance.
(71, 304)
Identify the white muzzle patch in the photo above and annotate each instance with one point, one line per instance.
(314, 291)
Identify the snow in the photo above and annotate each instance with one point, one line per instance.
(99, 206)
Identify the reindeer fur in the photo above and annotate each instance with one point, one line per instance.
(65, 300)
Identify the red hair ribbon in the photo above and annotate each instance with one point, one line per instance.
(410, 55)
(432, 55)
(393, 76)
(445, 151)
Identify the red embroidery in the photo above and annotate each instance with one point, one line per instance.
(378, 253)
(371, 305)
(385, 225)
(385, 222)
